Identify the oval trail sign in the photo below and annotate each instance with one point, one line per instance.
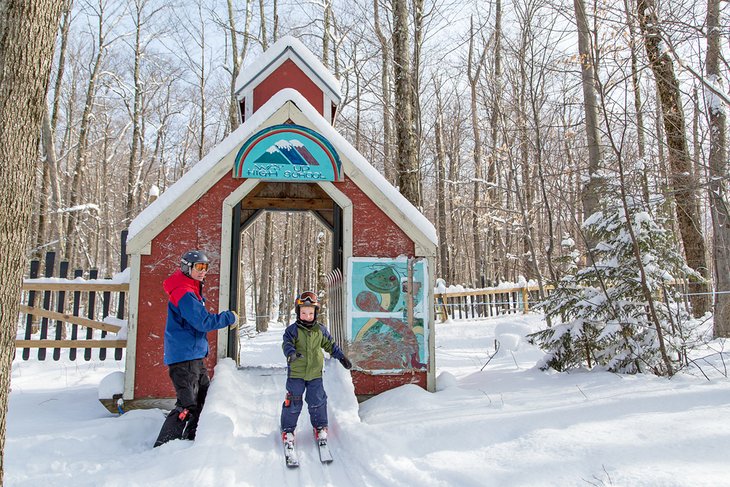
(288, 153)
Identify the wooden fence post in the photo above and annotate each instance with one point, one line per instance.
(124, 261)
(525, 300)
(47, 272)
(76, 307)
(93, 274)
(60, 307)
(34, 266)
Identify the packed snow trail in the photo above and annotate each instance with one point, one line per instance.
(509, 425)
(251, 420)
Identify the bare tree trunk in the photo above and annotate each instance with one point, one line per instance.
(106, 211)
(493, 233)
(386, 87)
(238, 57)
(54, 180)
(201, 87)
(65, 27)
(358, 109)
(50, 168)
(327, 7)
(321, 271)
(287, 264)
(441, 187)
(718, 165)
(27, 35)
(453, 176)
(254, 275)
(264, 302)
(593, 189)
(473, 73)
(686, 199)
(136, 114)
(523, 200)
(76, 194)
(638, 108)
(262, 14)
(545, 201)
(409, 182)
(648, 296)
(418, 20)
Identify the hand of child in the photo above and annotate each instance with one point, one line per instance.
(235, 322)
(293, 357)
(346, 362)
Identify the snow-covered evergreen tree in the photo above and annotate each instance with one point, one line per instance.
(600, 312)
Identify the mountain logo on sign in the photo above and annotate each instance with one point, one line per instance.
(287, 152)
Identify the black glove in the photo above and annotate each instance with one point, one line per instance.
(293, 357)
(346, 362)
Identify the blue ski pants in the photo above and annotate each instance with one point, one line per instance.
(316, 403)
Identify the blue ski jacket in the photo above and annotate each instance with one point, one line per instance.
(188, 322)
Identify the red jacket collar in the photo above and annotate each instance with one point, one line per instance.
(178, 284)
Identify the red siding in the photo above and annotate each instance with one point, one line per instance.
(288, 75)
(374, 233)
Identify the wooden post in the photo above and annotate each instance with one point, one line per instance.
(34, 266)
(60, 305)
(76, 308)
(120, 304)
(93, 274)
(525, 300)
(105, 306)
(48, 272)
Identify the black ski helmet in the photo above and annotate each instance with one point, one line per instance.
(192, 257)
(307, 298)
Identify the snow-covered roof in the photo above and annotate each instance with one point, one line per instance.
(287, 47)
(196, 182)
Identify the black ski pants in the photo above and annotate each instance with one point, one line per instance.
(191, 382)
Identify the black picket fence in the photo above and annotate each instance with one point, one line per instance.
(60, 312)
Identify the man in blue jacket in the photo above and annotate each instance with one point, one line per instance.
(186, 344)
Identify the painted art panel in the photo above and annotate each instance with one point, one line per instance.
(379, 334)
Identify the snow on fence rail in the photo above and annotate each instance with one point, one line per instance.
(482, 303)
(60, 313)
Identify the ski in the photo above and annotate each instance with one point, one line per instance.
(320, 436)
(325, 455)
(290, 452)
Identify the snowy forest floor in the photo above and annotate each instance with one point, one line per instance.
(508, 425)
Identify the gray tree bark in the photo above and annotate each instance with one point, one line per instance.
(27, 35)
(387, 90)
(409, 181)
(263, 306)
(474, 69)
(76, 193)
(592, 190)
(238, 57)
(441, 187)
(718, 165)
(685, 194)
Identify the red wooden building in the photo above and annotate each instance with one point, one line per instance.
(287, 155)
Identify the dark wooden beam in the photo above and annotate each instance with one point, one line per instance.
(287, 203)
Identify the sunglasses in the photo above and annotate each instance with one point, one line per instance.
(200, 266)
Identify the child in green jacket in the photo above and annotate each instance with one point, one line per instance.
(303, 343)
